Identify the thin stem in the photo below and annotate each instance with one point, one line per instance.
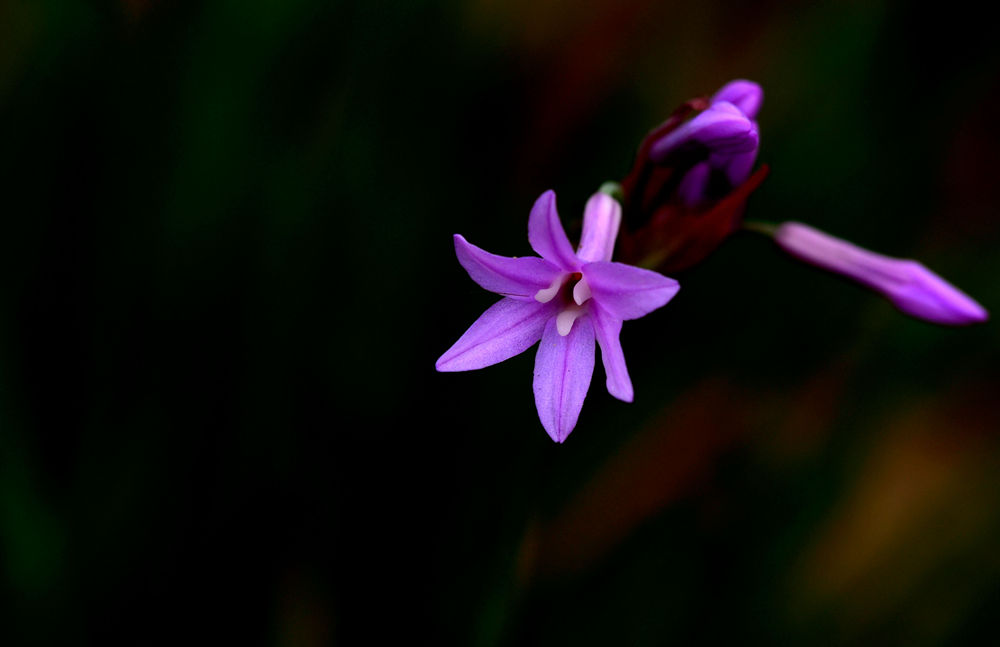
(614, 190)
(760, 227)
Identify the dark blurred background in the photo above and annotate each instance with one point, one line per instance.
(227, 270)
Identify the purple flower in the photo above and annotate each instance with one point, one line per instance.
(723, 141)
(566, 299)
(688, 187)
(910, 286)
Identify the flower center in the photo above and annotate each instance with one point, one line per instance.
(573, 291)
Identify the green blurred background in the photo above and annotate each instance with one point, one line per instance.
(227, 270)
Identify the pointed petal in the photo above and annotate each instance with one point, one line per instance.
(601, 219)
(513, 277)
(507, 328)
(563, 368)
(607, 329)
(722, 128)
(546, 233)
(929, 297)
(909, 285)
(628, 292)
(745, 95)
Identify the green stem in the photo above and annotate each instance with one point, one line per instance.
(614, 190)
(760, 227)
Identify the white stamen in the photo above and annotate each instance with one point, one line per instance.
(581, 291)
(565, 319)
(547, 294)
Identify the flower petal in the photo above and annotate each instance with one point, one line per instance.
(745, 95)
(546, 233)
(909, 285)
(929, 297)
(607, 330)
(628, 292)
(693, 187)
(563, 368)
(601, 219)
(736, 167)
(513, 277)
(722, 128)
(507, 328)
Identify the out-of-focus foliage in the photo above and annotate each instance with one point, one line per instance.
(227, 271)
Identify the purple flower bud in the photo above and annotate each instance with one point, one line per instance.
(722, 129)
(745, 95)
(907, 284)
(718, 146)
(688, 187)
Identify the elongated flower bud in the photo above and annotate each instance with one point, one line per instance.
(907, 284)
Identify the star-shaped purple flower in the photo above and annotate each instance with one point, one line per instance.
(567, 300)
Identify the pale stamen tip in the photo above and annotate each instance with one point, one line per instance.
(547, 294)
(581, 292)
(565, 319)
